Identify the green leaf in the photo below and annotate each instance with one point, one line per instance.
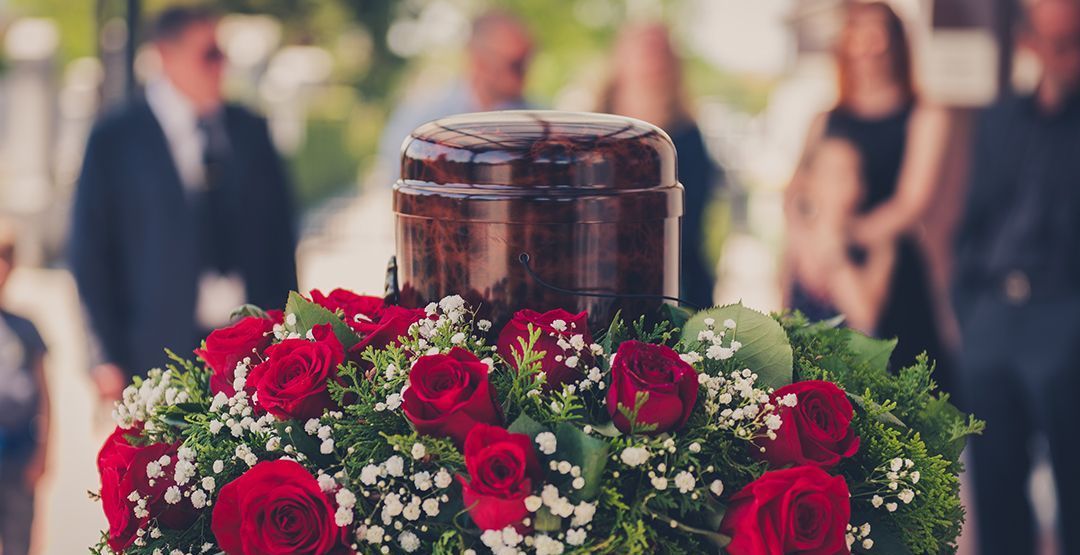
(823, 325)
(309, 315)
(246, 310)
(527, 426)
(587, 452)
(544, 521)
(883, 416)
(765, 347)
(874, 352)
(676, 315)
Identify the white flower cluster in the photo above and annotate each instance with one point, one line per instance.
(713, 341)
(859, 534)
(449, 323)
(237, 415)
(139, 402)
(287, 329)
(661, 476)
(575, 353)
(739, 405)
(896, 481)
(406, 496)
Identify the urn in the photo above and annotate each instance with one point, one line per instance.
(539, 210)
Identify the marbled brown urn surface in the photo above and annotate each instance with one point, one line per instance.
(593, 199)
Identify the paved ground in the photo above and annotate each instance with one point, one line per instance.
(349, 248)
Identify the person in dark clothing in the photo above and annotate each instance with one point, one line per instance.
(1017, 290)
(24, 415)
(182, 212)
(647, 84)
(900, 143)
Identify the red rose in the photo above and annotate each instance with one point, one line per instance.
(292, 382)
(391, 323)
(449, 394)
(503, 469)
(377, 323)
(226, 347)
(816, 431)
(276, 508)
(123, 470)
(799, 510)
(554, 341)
(671, 385)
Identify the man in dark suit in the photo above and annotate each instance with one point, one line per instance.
(1018, 290)
(182, 213)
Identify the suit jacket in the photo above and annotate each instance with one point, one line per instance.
(1019, 152)
(134, 247)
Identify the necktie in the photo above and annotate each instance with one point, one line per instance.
(213, 203)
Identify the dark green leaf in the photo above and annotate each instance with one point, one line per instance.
(676, 315)
(544, 521)
(765, 347)
(525, 425)
(587, 452)
(309, 315)
(246, 310)
(874, 352)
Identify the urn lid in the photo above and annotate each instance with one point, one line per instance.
(538, 166)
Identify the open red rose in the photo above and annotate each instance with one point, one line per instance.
(816, 431)
(226, 347)
(292, 382)
(378, 324)
(671, 385)
(800, 510)
(122, 468)
(503, 470)
(449, 394)
(557, 329)
(275, 508)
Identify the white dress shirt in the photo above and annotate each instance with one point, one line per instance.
(218, 294)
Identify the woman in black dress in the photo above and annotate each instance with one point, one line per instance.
(646, 84)
(900, 141)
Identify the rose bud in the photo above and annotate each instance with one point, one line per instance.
(449, 394)
(816, 431)
(657, 370)
(797, 510)
(275, 508)
(503, 470)
(555, 364)
(292, 382)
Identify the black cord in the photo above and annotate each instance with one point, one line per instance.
(524, 258)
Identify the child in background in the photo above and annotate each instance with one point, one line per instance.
(824, 276)
(24, 415)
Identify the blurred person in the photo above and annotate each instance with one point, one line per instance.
(182, 213)
(901, 145)
(821, 275)
(1017, 289)
(24, 414)
(647, 84)
(498, 53)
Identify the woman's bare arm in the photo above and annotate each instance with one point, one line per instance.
(860, 291)
(920, 175)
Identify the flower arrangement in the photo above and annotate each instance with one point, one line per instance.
(344, 425)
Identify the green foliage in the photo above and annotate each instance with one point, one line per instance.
(308, 315)
(765, 347)
(900, 414)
